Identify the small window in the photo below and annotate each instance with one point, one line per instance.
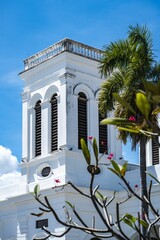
(46, 171)
(82, 118)
(42, 223)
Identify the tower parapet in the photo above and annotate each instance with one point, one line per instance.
(62, 46)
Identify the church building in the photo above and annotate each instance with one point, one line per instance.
(59, 107)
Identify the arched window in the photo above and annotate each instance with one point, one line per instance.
(82, 118)
(155, 151)
(38, 128)
(103, 136)
(54, 123)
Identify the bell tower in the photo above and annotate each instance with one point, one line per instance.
(60, 106)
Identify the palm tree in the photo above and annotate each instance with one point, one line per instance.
(125, 65)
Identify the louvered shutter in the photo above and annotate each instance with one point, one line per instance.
(103, 136)
(54, 123)
(82, 118)
(155, 152)
(38, 128)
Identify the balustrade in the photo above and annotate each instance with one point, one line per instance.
(64, 45)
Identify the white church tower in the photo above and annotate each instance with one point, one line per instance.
(60, 106)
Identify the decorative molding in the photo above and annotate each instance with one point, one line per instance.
(67, 75)
(25, 96)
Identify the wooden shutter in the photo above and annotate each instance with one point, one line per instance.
(103, 136)
(38, 128)
(82, 118)
(155, 151)
(54, 123)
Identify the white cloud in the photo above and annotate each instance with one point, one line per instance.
(8, 167)
(10, 178)
(8, 162)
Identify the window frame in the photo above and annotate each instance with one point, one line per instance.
(82, 117)
(38, 128)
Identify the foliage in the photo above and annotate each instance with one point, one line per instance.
(130, 68)
(148, 103)
(101, 203)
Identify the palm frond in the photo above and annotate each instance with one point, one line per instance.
(116, 55)
(141, 42)
(126, 65)
(113, 84)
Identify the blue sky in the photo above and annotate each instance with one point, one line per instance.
(28, 26)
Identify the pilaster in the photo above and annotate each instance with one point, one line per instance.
(31, 131)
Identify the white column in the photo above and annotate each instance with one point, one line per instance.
(62, 115)
(25, 126)
(31, 131)
(149, 153)
(71, 118)
(75, 121)
(93, 124)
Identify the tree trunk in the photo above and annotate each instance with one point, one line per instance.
(143, 181)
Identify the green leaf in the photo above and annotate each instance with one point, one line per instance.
(99, 195)
(130, 217)
(72, 206)
(153, 177)
(85, 151)
(143, 104)
(117, 121)
(142, 222)
(128, 222)
(124, 169)
(36, 190)
(116, 167)
(123, 103)
(128, 130)
(95, 149)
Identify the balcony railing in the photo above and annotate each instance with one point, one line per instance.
(62, 46)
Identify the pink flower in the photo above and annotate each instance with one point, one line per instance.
(136, 185)
(110, 156)
(57, 180)
(90, 137)
(132, 118)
